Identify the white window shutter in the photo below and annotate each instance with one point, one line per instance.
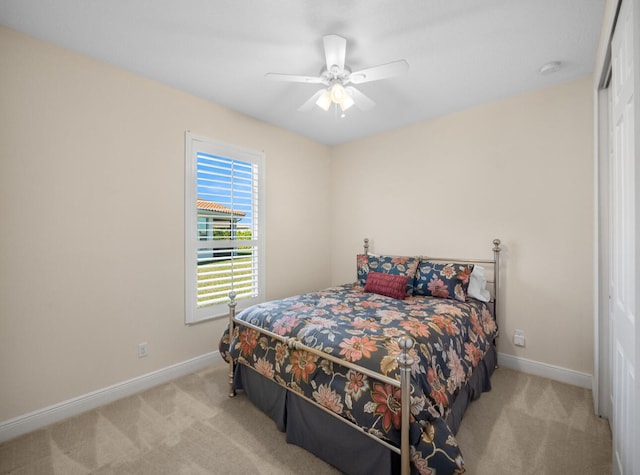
(224, 227)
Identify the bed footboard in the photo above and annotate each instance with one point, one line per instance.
(405, 361)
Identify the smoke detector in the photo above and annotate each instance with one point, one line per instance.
(550, 67)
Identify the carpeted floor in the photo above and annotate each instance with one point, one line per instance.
(532, 425)
(525, 425)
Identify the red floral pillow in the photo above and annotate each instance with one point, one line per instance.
(390, 285)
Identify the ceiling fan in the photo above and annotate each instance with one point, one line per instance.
(337, 77)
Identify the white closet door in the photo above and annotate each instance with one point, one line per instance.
(624, 235)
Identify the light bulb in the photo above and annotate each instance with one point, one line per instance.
(324, 101)
(347, 102)
(337, 93)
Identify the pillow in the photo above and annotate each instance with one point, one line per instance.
(362, 268)
(395, 265)
(478, 285)
(391, 285)
(448, 280)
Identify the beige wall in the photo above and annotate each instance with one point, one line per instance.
(91, 201)
(91, 238)
(518, 169)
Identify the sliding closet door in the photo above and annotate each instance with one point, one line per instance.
(624, 240)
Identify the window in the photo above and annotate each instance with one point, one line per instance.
(224, 227)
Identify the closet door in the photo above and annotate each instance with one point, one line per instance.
(625, 254)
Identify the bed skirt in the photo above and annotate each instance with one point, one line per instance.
(338, 444)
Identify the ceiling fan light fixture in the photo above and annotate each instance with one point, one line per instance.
(347, 102)
(324, 101)
(336, 74)
(338, 93)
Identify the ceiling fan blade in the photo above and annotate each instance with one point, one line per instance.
(383, 71)
(311, 102)
(335, 48)
(362, 101)
(294, 78)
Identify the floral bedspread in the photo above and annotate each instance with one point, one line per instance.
(451, 338)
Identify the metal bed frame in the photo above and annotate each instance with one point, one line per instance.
(405, 361)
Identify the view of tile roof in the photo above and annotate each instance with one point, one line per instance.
(211, 206)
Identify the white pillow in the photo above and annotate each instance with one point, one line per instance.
(478, 285)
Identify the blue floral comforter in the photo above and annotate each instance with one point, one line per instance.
(451, 339)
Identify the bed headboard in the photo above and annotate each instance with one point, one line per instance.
(492, 275)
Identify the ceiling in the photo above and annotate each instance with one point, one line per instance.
(461, 53)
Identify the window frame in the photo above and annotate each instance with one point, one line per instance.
(193, 145)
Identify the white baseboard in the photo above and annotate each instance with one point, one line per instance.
(557, 373)
(35, 420)
(72, 407)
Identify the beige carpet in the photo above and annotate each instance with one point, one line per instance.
(525, 425)
(532, 425)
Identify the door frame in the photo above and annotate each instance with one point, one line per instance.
(601, 385)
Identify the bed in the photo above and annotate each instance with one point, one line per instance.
(373, 376)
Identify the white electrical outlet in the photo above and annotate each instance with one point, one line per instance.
(143, 350)
(518, 338)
